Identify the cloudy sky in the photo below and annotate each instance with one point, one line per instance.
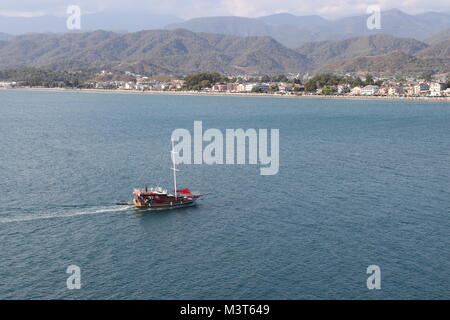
(196, 8)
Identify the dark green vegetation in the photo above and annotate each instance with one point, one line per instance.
(203, 80)
(327, 81)
(44, 78)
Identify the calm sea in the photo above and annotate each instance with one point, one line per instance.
(360, 183)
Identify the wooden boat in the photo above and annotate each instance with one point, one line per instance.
(157, 198)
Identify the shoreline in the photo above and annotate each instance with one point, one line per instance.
(237, 94)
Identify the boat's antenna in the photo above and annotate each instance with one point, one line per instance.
(174, 170)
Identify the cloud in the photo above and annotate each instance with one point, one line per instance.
(199, 8)
(22, 14)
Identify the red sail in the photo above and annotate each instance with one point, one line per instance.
(185, 191)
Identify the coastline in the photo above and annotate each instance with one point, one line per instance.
(238, 94)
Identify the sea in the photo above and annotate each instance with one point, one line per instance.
(360, 183)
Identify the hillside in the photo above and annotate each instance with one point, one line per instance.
(393, 22)
(440, 50)
(153, 52)
(324, 52)
(395, 62)
(438, 37)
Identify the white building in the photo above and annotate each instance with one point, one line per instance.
(393, 91)
(343, 88)
(240, 87)
(436, 89)
(4, 84)
(370, 90)
(249, 87)
(356, 91)
(421, 88)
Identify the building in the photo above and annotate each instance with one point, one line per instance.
(370, 90)
(409, 91)
(4, 84)
(383, 91)
(343, 88)
(421, 89)
(264, 87)
(436, 89)
(250, 86)
(232, 87)
(356, 91)
(219, 87)
(300, 88)
(285, 87)
(240, 88)
(129, 86)
(394, 91)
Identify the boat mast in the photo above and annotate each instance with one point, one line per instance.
(174, 170)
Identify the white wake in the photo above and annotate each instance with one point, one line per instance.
(56, 215)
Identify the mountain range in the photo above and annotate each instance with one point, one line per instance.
(288, 29)
(113, 21)
(151, 52)
(293, 31)
(275, 44)
(180, 52)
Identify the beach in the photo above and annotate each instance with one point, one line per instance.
(240, 94)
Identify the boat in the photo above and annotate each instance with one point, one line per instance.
(157, 198)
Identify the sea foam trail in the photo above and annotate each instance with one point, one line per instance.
(39, 216)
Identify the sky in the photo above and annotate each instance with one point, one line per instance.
(187, 9)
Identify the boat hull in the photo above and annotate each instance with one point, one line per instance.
(166, 207)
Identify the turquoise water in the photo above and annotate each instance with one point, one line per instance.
(360, 183)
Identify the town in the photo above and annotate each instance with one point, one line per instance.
(292, 85)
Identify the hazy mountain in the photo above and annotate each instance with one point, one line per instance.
(122, 21)
(392, 63)
(131, 22)
(301, 22)
(324, 52)
(225, 25)
(152, 52)
(4, 36)
(393, 22)
(438, 37)
(293, 30)
(288, 35)
(437, 50)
